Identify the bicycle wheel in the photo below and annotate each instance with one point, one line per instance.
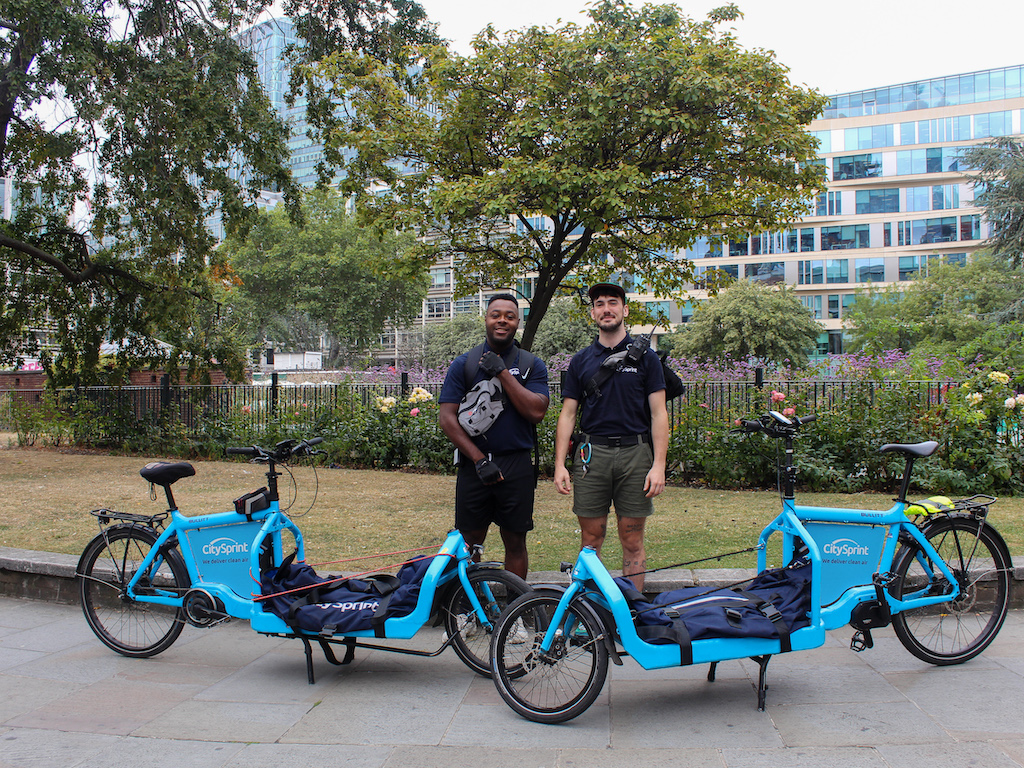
(495, 589)
(960, 629)
(107, 565)
(560, 684)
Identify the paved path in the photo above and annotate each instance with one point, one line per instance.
(229, 697)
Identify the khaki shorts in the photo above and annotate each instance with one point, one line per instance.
(614, 476)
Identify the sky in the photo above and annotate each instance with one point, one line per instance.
(835, 47)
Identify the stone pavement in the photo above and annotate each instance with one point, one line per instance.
(229, 697)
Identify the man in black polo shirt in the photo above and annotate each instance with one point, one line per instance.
(496, 480)
(620, 457)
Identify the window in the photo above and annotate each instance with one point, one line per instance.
(930, 160)
(526, 286)
(810, 272)
(849, 236)
(911, 266)
(806, 239)
(659, 311)
(837, 271)
(870, 270)
(467, 305)
(833, 306)
(970, 227)
(813, 304)
(738, 248)
(945, 196)
(767, 272)
(440, 309)
(878, 200)
(856, 167)
(440, 277)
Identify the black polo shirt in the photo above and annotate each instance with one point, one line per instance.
(510, 431)
(622, 408)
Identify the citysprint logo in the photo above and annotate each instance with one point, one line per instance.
(844, 548)
(225, 546)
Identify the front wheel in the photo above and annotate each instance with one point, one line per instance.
(123, 624)
(957, 630)
(558, 684)
(471, 637)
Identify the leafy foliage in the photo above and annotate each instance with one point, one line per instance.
(749, 319)
(999, 166)
(565, 329)
(443, 342)
(151, 116)
(578, 152)
(338, 276)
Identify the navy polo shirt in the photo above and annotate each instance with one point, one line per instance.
(510, 431)
(622, 409)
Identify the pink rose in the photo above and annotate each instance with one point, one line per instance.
(789, 411)
(778, 397)
(414, 412)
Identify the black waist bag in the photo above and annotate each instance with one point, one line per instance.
(776, 603)
(327, 606)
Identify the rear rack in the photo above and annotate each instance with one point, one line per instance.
(976, 505)
(106, 515)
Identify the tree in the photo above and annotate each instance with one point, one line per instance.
(580, 153)
(999, 168)
(750, 319)
(566, 329)
(338, 275)
(443, 342)
(962, 311)
(149, 114)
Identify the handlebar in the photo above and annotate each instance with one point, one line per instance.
(283, 451)
(774, 424)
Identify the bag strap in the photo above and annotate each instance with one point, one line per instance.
(677, 633)
(773, 614)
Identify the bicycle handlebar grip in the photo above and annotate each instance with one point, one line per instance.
(807, 419)
(246, 451)
(752, 425)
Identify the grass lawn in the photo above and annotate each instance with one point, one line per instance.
(47, 495)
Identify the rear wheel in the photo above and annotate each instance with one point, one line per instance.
(555, 685)
(127, 626)
(957, 630)
(495, 589)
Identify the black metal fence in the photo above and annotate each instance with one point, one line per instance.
(192, 406)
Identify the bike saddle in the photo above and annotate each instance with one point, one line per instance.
(165, 473)
(920, 450)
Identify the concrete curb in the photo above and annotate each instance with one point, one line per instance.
(51, 577)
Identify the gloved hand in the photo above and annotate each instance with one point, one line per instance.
(488, 472)
(491, 364)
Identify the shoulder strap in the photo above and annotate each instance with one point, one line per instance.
(472, 365)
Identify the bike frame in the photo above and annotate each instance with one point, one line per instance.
(843, 572)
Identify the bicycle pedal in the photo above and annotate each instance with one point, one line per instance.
(861, 640)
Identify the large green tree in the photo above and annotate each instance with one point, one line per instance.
(124, 125)
(999, 170)
(750, 319)
(954, 311)
(582, 152)
(327, 275)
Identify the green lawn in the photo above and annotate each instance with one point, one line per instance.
(47, 496)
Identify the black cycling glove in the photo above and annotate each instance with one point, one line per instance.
(491, 364)
(488, 472)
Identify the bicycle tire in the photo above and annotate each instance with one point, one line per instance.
(556, 686)
(131, 628)
(471, 640)
(958, 630)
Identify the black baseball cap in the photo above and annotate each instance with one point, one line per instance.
(606, 289)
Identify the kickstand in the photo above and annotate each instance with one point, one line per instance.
(762, 684)
(350, 652)
(711, 671)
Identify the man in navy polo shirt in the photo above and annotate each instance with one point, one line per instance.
(620, 456)
(496, 481)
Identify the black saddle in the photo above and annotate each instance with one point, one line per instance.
(918, 450)
(164, 472)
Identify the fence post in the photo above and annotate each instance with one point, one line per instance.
(273, 393)
(405, 384)
(759, 378)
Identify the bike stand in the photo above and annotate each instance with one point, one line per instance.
(350, 652)
(762, 685)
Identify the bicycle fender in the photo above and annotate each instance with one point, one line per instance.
(490, 565)
(999, 541)
(583, 606)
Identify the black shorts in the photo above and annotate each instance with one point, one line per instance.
(508, 504)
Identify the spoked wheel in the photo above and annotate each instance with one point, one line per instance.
(555, 685)
(955, 631)
(129, 627)
(495, 589)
